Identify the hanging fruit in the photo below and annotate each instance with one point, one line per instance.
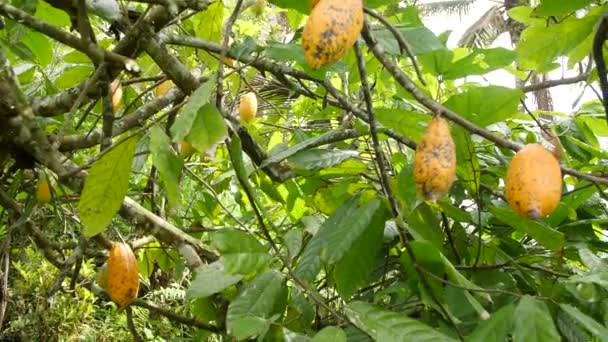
(163, 88)
(331, 30)
(435, 161)
(43, 190)
(533, 187)
(248, 108)
(116, 90)
(185, 149)
(123, 275)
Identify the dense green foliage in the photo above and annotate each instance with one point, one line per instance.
(305, 224)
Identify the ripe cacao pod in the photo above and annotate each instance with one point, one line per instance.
(331, 30)
(533, 187)
(116, 90)
(248, 108)
(185, 149)
(123, 275)
(435, 161)
(164, 87)
(43, 191)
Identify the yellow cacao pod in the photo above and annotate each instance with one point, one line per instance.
(248, 108)
(43, 191)
(185, 149)
(331, 30)
(533, 187)
(164, 87)
(123, 275)
(116, 90)
(435, 161)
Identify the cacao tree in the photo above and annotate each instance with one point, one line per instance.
(278, 170)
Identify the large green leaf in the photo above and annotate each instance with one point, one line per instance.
(106, 187)
(496, 328)
(424, 225)
(479, 62)
(184, 121)
(589, 323)
(420, 39)
(259, 300)
(241, 252)
(545, 235)
(549, 8)
(411, 124)
(208, 128)
(388, 326)
(211, 279)
(330, 334)
(486, 105)
(540, 45)
(167, 162)
(315, 159)
(532, 322)
(353, 270)
(468, 169)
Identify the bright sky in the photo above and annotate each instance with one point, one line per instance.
(563, 96)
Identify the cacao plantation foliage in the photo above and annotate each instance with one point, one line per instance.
(332, 170)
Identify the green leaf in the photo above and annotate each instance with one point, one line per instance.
(497, 328)
(408, 123)
(330, 334)
(486, 105)
(288, 152)
(420, 39)
(548, 8)
(315, 159)
(388, 326)
(106, 187)
(184, 121)
(541, 45)
(532, 322)
(424, 225)
(353, 270)
(167, 162)
(259, 300)
(546, 236)
(481, 61)
(241, 252)
(340, 233)
(73, 76)
(587, 322)
(208, 128)
(406, 189)
(468, 169)
(211, 279)
(300, 6)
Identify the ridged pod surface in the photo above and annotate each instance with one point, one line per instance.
(331, 30)
(123, 275)
(435, 161)
(248, 107)
(534, 182)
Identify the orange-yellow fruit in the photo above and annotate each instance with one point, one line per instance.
(116, 90)
(248, 107)
(164, 87)
(185, 149)
(123, 275)
(534, 182)
(331, 30)
(43, 191)
(229, 61)
(435, 161)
